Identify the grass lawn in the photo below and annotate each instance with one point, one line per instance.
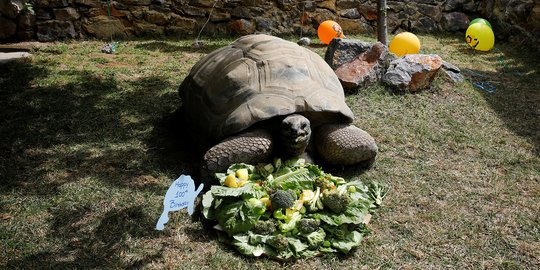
(88, 150)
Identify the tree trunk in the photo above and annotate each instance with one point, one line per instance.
(381, 22)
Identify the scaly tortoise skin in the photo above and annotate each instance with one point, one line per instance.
(262, 97)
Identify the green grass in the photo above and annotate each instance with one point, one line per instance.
(87, 153)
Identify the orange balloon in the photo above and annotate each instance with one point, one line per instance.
(329, 30)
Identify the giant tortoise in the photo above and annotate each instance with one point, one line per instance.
(262, 97)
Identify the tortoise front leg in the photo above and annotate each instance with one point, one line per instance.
(342, 144)
(250, 147)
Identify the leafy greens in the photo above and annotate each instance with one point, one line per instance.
(245, 217)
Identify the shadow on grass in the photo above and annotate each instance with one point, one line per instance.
(87, 126)
(102, 246)
(168, 47)
(516, 97)
(76, 125)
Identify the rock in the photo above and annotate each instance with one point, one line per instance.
(285, 5)
(455, 21)
(355, 26)
(452, 5)
(220, 17)
(44, 14)
(327, 4)
(55, 30)
(51, 3)
(10, 8)
(345, 4)
(26, 20)
(341, 51)
(305, 41)
(25, 34)
(265, 25)
(104, 27)
(193, 11)
(247, 12)
(66, 14)
(89, 3)
(369, 12)
(365, 69)
(135, 2)
(156, 17)
(453, 72)
(307, 6)
(433, 12)
(201, 3)
(518, 11)
(181, 26)
(351, 13)
(144, 29)
(7, 28)
(241, 26)
(412, 72)
(424, 25)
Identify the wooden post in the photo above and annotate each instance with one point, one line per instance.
(382, 27)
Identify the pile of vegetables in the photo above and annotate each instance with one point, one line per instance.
(290, 209)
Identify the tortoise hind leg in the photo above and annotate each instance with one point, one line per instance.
(249, 147)
(342, 144)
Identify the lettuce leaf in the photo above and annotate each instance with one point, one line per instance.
(297, 180)
(350, 241)
(355, 213)
(237, 217)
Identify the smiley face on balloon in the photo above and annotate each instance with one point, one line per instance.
(472, 40)
(480, 36)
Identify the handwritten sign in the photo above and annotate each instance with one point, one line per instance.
(181, 194)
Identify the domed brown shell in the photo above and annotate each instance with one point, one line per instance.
(256, 78)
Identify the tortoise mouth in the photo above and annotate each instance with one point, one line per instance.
(297, 142)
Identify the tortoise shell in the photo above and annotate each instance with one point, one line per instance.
(256, 78)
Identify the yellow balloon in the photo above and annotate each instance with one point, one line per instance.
(404, 43)
(480, 37)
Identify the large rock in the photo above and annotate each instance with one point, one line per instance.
(453, 72)
(10, 8)
(66, 14)
(412, 72)
(51, 3)
(104, 27)
(148, 30)
(366, 69)
(455, 21)
(327, 4)
(242, 27)
(135, 2)
(180, 26)
(341, 51)
(7, 28)
(355, 26)
(26, 20)
(157, 17)
(89, 3)
(55, 30)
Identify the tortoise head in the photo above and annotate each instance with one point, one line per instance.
(295, 134)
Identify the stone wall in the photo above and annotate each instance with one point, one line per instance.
(48, 20)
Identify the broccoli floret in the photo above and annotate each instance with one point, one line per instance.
(282, 199)
(265, 226)
(336, 200)
(308, 225)
(279, 242)
(323, 182)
